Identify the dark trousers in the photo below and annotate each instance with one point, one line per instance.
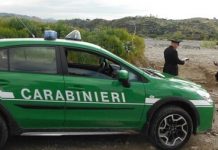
(216, 76)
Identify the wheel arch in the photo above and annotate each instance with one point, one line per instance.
(13, 128)
(177, 101)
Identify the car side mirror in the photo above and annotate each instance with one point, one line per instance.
(123, 77)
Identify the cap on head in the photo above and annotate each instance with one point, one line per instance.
(176, 41)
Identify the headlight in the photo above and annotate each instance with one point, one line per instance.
(206, 96)
(209, 100)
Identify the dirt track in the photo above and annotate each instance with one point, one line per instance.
(199, 69)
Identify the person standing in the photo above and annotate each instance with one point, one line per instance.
(216, 75)
(171, 59)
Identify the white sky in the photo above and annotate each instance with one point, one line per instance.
(111, 9)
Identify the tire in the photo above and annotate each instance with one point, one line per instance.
(3, 133)
(170, 128)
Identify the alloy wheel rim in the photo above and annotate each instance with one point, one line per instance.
(173, 130)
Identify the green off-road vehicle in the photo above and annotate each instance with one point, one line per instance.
(68, 87)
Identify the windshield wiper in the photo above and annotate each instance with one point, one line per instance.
(152, 73)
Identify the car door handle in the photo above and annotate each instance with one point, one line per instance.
(75, 88)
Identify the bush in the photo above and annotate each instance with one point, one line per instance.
(208, 44)
(119, 42)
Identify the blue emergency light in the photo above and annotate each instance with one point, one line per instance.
(50, 35)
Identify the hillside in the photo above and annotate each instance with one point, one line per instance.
(147, 27)
(11, 15)
(191, 29)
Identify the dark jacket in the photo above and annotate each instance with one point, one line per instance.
(171, 61)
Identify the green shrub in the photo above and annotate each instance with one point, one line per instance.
(208, 44)
(119, 42)
(116, 40)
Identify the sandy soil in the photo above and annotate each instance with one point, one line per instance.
(200, 69)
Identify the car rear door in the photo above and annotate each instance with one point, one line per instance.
(31, 87)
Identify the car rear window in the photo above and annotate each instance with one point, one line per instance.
(33, 59)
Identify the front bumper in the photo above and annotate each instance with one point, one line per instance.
(207, 117)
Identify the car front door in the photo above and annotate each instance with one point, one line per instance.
(94, 96)
(31, 87)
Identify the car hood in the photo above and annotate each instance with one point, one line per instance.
(171, 79)
(188, 89)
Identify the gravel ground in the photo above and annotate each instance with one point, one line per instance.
(200, 69)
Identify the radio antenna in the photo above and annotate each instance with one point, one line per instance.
(20, 20)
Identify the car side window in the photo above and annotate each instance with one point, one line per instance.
(82, 58)
(132, 76)
(81, 63)
(3, 59)
(33, 59)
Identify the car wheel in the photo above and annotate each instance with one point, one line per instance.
(171, 128)
(3, 133)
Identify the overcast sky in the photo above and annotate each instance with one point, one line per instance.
(111, 9)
